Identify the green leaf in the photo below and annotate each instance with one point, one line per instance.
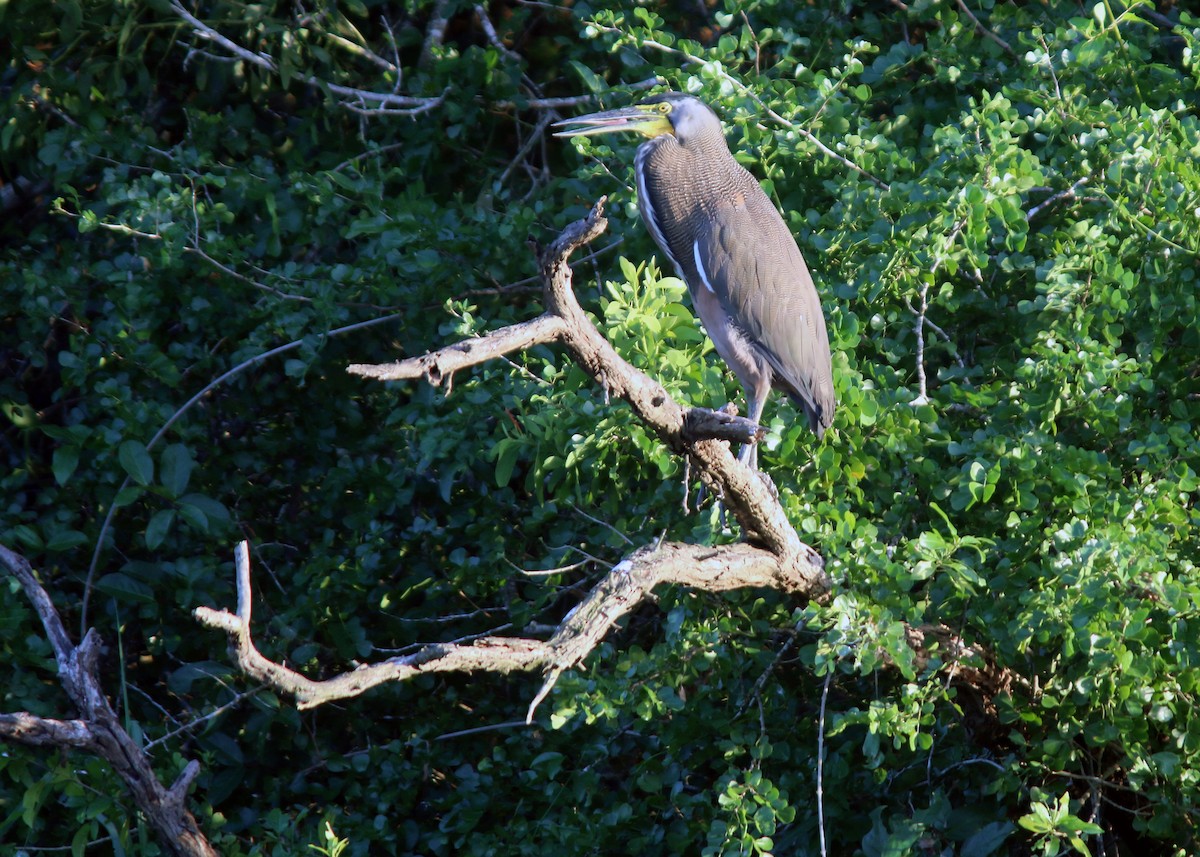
(548, 764)
(987, 840)
(72, 17)
(202, 512)
(175, 469)
(64, 540)
(589, 78)
(79, 841)
(125, 588)
(63, 463)
(764, 820)
(127, 496)
(649, 781)
(136, 461)
(507, 451)
(159, 526)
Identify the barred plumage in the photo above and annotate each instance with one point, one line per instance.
(747, 279)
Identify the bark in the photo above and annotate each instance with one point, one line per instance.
(772, 555)
(98, 730)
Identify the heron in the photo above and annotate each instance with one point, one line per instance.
(747, 279)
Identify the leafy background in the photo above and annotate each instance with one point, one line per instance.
(1000, 206)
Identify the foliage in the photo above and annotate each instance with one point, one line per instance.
(1002, 219)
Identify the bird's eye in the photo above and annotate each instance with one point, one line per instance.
(664, 107)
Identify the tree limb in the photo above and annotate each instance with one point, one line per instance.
(715, 569)
(774, 557)
(438, 366)
(98, 730)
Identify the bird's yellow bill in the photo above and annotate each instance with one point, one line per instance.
(641, 119)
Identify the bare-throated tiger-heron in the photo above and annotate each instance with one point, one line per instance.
(748, 282)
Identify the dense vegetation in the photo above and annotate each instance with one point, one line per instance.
(1001, 209)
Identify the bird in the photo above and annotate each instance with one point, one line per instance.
(745, 274)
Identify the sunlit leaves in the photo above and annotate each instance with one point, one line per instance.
(1013, 215)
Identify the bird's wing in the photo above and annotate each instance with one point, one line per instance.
(745, 254)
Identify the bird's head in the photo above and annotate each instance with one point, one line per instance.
(670, 113)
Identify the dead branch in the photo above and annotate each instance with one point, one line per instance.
(773, 557)
(715, 569)
(98, 729)
(353, 99)
(438, 366)
(745, 494)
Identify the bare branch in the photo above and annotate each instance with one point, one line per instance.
(388, 103)
(489, 29)
(363, 101)
(435, 33)
(203, 31)
(775, 558)
(1067, 194)
(364, 52)
(494, 654)
(715, 569)
(98, 729)
(436, 366)
(37, 731)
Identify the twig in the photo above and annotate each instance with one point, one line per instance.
(183, 409)
(922, 321)
(821, 761)
(512, 724)
(1068, 194)
(919, 329)
(604, 524)
(364, 52)
(562, 102)
(200, 721)
(535, 136)
(250, 281)
(562, 569)
(385, 103)
(752, 95)
(373, 153)
(978, 26)
(761, 681)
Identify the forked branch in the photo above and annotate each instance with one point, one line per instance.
(696, 432)
(625, 587)
(97, 729)
(772, 557)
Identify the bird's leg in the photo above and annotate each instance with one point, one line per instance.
(755, 401)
